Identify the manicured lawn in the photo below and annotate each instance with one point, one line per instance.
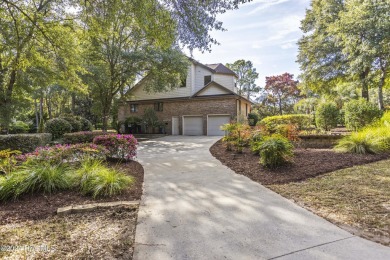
(358, 197)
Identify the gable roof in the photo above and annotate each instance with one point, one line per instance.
(213, 83)
(219, 68)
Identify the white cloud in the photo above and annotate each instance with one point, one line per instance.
(287, 45)
(279, 32)
(264, 4)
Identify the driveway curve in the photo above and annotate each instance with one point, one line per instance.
(193, 207)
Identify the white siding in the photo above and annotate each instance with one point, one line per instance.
(213, 90)
(200, 72)
(194, 83)
(225, 80)
(140, 94)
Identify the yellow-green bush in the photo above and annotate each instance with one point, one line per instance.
(373, 139)
(300, 120)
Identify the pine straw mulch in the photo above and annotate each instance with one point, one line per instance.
(350, 190)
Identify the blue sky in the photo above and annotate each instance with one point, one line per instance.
(262, 31)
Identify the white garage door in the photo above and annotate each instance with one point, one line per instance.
(192, 125)
(214, 124)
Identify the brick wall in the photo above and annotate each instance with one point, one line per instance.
(180, 108)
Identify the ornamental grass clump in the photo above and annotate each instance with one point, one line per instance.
(274, 151)
(123, 147)
(371, 140)
(40, 177)
(97, 180)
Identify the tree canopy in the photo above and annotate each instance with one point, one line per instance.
(247, 76)
(345, 41)
(97, 48)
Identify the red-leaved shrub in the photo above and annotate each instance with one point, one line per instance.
(119, 146)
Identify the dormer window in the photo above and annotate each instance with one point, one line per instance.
(207, 79)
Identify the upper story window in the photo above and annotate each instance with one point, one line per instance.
(207, 79)
(133, 108)
(158, 106)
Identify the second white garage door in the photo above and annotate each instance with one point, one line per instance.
(214, 124)
(192, 125)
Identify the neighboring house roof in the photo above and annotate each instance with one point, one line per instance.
(221, 69)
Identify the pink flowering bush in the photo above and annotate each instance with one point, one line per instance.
(122, 147)
(65, 153)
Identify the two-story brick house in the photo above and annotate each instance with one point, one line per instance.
(207, 100)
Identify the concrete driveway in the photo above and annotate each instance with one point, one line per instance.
(193, 207)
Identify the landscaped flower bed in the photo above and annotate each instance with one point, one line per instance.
(66, 174)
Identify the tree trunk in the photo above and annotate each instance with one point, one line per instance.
(41, 108)
(363, 80)
(380, 86)
(48, 104)
(36, 114)
(280, 105)
(105, 115)
(6, 112)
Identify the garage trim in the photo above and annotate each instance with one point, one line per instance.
(183, 125)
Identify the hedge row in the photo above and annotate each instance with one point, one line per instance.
(84, 136)
(24, 142)
(81, 137)
(301, 120)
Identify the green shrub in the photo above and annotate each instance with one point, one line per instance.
(372, 140)
(360, 113)
(8, 161)
(40, 177)
(238, 135)
(97, 180)
(385, 119)
(24, 142)
(253, 118)
(301, 120)
(327, 115)
(74, 122)
(289, 131)
(80, 137)
(18, 127)
(58, 127)
(275, 151)
(86, 125)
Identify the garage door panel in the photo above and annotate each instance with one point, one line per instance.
(193, 125)
(214, 124)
